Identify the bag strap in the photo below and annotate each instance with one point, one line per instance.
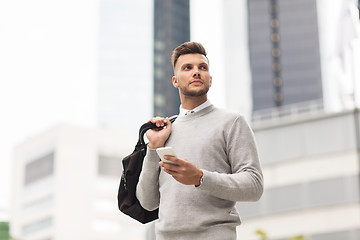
(147, 126)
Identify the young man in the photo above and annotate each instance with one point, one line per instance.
(216, 164)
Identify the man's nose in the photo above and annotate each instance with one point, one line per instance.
(196, 73)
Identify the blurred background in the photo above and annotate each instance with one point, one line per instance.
(78, 78)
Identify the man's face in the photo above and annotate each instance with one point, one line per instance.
(192, 76)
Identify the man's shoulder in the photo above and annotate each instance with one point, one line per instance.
(226, 113)
(232, 116)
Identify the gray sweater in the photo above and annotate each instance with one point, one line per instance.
(222, 145)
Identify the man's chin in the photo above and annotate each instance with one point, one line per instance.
(194, 93)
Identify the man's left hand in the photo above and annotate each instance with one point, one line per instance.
(184, 171)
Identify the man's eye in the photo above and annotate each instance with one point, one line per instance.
(203, 67)
(187, 67)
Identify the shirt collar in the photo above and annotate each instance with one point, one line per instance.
(183, 112)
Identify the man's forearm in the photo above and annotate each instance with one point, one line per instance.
(242, 186)
(147, 190)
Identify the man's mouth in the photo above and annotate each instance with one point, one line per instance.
(196, 82)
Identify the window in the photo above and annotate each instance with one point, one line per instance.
(37, 226)
(39, 168)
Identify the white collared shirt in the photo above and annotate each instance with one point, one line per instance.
(184, 112)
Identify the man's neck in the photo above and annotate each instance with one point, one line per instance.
(190, 103)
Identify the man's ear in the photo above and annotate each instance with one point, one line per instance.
(175, 82)
(210, 81)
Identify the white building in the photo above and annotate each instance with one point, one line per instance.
(65, 184)
(311, 173)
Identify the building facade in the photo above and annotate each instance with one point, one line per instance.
(65, 185)
(171, 28)
(311, 179)
(284, 52)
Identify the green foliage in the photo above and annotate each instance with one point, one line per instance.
(4, 231)
(263, 236)
(298, 237)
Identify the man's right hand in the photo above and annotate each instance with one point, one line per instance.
(158, 137)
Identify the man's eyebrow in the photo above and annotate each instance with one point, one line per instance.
(186, 64)
(204, 64)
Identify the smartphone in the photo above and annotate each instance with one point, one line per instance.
(166, 151)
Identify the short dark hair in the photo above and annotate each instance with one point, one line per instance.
(187, 48)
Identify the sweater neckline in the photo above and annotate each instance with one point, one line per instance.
(196, 114)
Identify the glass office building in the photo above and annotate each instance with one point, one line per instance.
(284, 52)
(171, 28)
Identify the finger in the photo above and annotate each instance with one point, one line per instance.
(172, 158)
(167, 123)
(154, 119)
(170, 167)
(163, 164)
(162, 120)
(177, 161)
(159, 121)
(172, 173)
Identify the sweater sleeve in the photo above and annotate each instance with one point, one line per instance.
(245, 182)
(147, 189)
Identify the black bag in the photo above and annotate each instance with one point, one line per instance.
(132, 165)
